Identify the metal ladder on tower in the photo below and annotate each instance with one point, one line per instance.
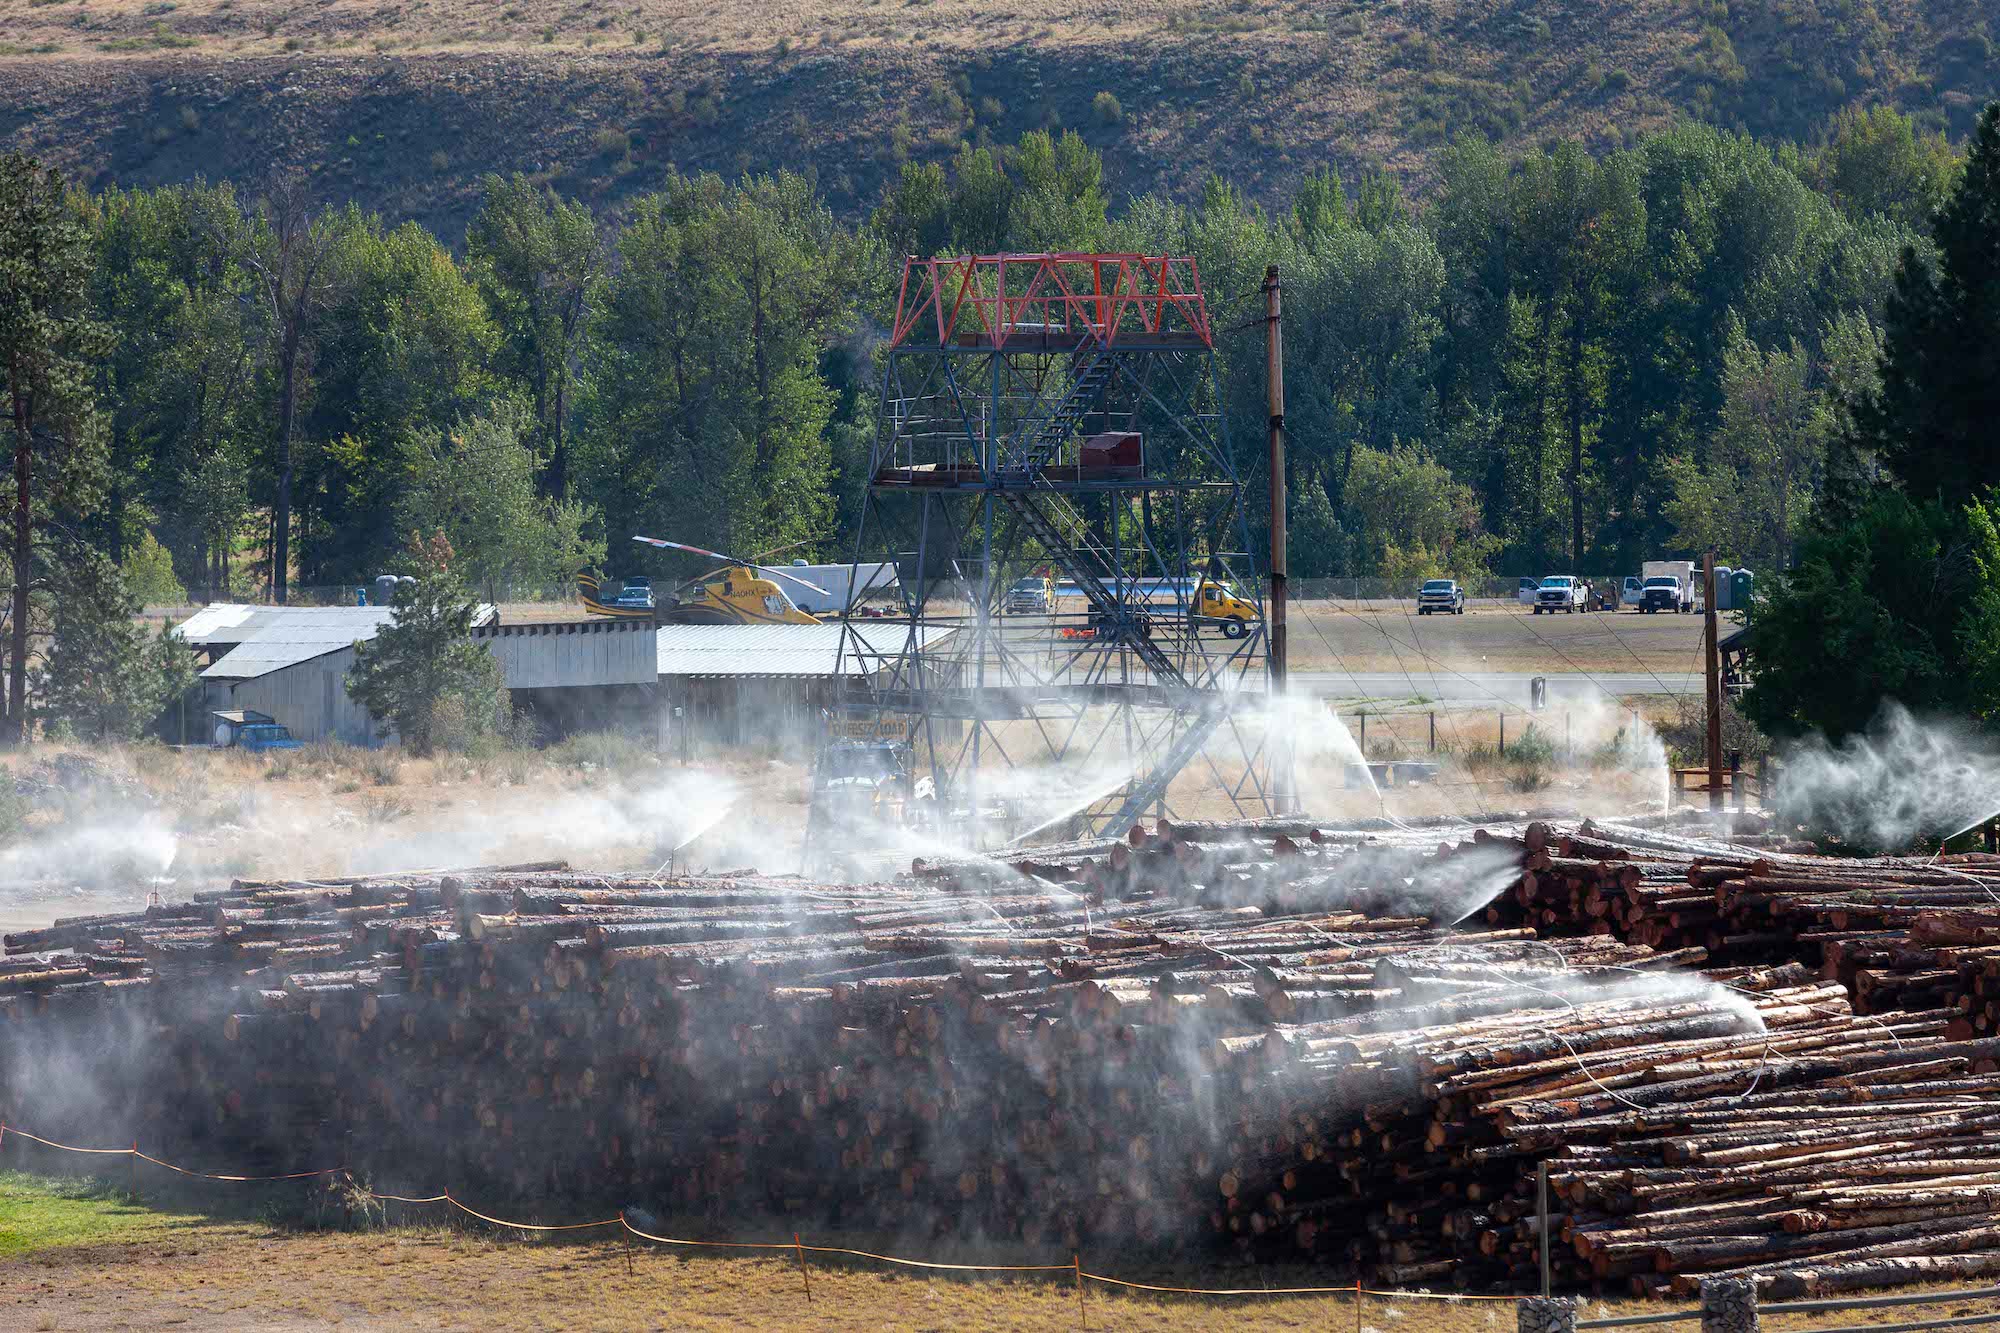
(1031, 447)
(1153, 787)
(1065, 550)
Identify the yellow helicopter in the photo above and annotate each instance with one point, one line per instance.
(742, 592)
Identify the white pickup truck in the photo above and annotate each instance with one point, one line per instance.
(1668, 586)
(1564, 593)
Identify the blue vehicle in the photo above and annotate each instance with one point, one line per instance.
(266, 736)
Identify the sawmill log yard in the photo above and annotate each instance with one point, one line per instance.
(935, 666)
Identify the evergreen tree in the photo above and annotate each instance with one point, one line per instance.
(48, 342)
(422, 675)
(104, 678)
(1932, 420)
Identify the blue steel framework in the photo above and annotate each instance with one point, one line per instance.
(998, 370)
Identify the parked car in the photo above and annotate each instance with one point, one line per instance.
(259, 736)
(635, 595)
(1631, 591)
(1525, 591)
(1562, 593)
(1031, 597)
(1441, 595)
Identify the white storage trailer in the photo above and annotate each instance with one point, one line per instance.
(877, 579)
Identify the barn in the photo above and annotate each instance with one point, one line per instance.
(291, 662)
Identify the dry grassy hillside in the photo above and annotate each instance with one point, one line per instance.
(402, 103)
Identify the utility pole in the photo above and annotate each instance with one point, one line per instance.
(1714, 684)
(1274, 356)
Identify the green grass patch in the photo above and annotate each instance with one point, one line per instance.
(46, 1213)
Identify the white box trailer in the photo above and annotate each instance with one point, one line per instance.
(877, 579)
(1681, 572)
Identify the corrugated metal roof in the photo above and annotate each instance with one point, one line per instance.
(781, 650)
(214, 626)
(270, 638)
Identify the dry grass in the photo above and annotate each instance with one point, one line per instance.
(246, 1275)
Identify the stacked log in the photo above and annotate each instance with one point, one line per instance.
(1898, 932)
(1269, 1037)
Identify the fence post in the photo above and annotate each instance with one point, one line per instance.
(1364, 735)
(799, 1248)
(1434, 731)
(1728, 1305)
(135, 1170)
(1545, 1314)
(1076, 1265)
(1503, 731)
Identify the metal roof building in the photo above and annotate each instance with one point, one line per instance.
(766, 686)
(291, 662)
(780, 650)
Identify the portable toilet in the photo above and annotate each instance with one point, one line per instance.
(385, 590)
(1722, 573)
(1741, 584)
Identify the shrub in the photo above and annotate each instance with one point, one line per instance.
(605, 750)
(382, 768)
(1532, 746)
(1527, 775)
(439, 161)
(1105, 107)
(613, 143)
(157, 39)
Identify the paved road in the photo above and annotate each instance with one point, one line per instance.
(1492, 687)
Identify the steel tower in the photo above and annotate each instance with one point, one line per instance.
(1059, 416)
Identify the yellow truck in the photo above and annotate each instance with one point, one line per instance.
(1217, 601)
(1212, 602)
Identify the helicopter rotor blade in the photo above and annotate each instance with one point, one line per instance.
(772, 570)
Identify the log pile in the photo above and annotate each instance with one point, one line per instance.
(1899, 933)
(1268, 1037)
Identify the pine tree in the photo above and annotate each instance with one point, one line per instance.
(422, 674)
(1933, 418)
(48, 341)
(104, 678)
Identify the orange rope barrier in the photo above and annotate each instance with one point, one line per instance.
(107, 1152)
(207, 1175)
(530, 1226)
(707, 1244)
(920, 1263)
(404, 1198)
(1223, 1291)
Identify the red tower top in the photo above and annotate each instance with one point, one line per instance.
(989, 301)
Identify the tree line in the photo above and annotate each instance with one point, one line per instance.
(1558, 360)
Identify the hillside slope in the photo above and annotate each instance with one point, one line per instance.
(401, 104)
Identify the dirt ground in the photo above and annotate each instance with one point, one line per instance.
(200, 1273)
(1336, 636)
